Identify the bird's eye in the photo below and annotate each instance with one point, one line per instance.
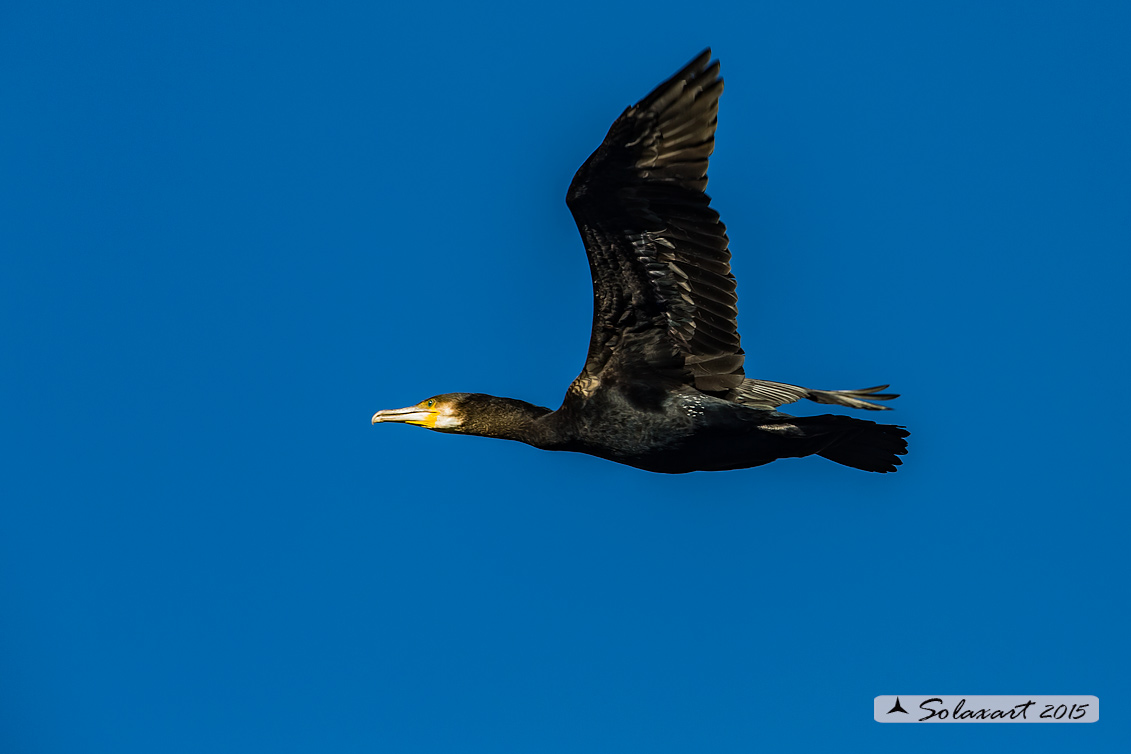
(431, 402)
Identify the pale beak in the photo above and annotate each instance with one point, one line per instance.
(410, 415)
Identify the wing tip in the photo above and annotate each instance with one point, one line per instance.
(699, 70)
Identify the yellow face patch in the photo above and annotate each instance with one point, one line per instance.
(427, 415)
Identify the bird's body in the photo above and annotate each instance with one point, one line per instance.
(663, 387)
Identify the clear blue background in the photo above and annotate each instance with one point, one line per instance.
(231, 231)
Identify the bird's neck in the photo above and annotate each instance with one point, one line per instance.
(509, 419)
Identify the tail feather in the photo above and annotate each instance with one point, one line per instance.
(854, 398)
(854, 442)
(766, 394)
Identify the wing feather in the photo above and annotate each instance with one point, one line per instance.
(664, 295)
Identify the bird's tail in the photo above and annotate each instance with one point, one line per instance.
(854, 442)
(766, 394)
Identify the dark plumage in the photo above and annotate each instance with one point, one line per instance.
(663, 386)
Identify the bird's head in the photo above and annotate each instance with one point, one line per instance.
(442, 413)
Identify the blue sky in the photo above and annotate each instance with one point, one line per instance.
(232, 231)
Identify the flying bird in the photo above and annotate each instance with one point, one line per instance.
(663, 387)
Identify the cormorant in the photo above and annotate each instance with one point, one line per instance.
(663, 387)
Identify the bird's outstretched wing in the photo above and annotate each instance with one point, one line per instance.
(664, 300)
